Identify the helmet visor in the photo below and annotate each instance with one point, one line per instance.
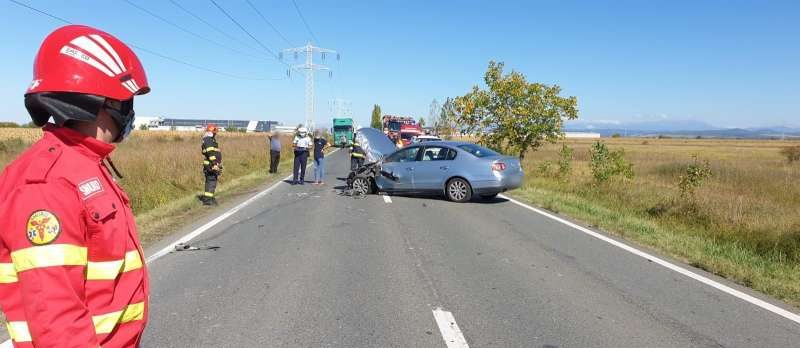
(122, 113)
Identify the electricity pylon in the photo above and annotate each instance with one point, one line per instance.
(309, 68)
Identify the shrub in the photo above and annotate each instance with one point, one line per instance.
(792, 153)
(9, 125)
(693, 178)
(12, 145)
(544, 168)
(616, 135)
(606, 164)
(565, 157)
(143, 127)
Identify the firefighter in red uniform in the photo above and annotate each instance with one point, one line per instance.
(72, 271)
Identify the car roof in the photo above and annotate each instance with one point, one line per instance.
(443, 142)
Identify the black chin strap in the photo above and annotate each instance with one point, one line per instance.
(114, 168)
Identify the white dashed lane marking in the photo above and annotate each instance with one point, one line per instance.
(387, 199)
(451, 334)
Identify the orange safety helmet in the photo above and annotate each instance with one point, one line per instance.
(211, 127)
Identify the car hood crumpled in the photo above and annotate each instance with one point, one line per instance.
(375, 144)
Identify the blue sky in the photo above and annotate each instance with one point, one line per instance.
(728, 63)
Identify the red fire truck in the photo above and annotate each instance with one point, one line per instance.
(408, 132)
(392, 125)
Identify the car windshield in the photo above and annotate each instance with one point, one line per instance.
(477, 150)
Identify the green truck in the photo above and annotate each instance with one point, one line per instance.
(343, 131)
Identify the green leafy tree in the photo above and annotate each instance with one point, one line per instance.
(514, 115)
(433, 113)
(446, 125)
(421, 122)
(376, 117)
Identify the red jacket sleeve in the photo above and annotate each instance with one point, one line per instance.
(47, 239)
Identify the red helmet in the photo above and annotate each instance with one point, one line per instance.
(76, 69)
(211, 127)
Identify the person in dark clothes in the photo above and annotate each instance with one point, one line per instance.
(212, 164)
(357, 155)
(301, 143)
(320, 144)
(274, 151)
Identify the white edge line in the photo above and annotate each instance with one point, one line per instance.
(387, 199)
(451, 333)
(199, 231)
(724, 288)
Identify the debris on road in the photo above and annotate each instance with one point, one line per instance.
(189, 247)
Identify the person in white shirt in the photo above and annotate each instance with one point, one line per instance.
(302, 143)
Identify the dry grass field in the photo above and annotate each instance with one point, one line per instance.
(744, 222)
(163, 170)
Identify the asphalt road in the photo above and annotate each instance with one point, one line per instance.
(305, 267)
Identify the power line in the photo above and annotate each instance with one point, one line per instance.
(154, 15)
(303, 18)
(163, 56)
(42, 12)
(212, 26)
(245, 30)
(268, 22)
(175, 60)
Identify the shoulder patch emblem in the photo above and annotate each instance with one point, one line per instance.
(43, 227)
(90, 188)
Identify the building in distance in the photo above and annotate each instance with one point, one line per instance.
(198, 125)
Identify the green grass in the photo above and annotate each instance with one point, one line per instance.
(742, 226)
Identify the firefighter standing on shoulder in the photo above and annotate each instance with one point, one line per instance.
(72, 271)
(212, 164)
(357, 154)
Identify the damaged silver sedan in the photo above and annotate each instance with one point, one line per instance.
(457, 170)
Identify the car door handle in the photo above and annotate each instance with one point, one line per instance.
(444, 167)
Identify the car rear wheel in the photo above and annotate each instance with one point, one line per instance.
(458, 190)
(362, 186)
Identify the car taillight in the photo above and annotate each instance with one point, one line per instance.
(498, 167)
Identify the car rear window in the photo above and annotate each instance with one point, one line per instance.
(477, 150)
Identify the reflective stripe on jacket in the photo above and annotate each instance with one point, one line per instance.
(356, 151)
(71, 267)
(211, 152)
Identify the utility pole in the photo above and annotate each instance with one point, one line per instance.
(309, 68)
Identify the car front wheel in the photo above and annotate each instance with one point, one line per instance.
(362, 186)
(458, 190)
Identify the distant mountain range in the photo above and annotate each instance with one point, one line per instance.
(679, 128)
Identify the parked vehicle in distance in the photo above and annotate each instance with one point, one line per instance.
(457, 170)
(424, 138)
(343, 131)
(392, 124)
(409, 132)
